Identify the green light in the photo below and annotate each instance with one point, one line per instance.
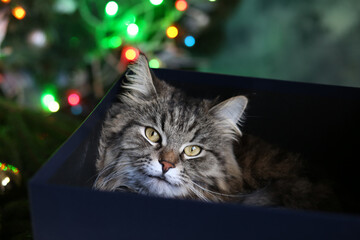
(115, 42)
(128, 18)
(132, 29)
(47, 99)
(154, 63)
(111, 42)
(156, 2)
(111, 8)
(4, 167)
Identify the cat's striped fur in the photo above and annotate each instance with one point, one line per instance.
(228, 168)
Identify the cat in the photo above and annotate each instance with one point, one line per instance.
(158, 141)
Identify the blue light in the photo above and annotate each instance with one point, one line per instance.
(189, 41)
(76, 110)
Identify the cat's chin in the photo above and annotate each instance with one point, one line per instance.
(160, 186)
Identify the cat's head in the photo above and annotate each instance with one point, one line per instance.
(158, 141)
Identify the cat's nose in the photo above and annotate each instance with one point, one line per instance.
(166, 165)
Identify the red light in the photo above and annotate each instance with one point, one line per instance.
(131, 54)
(181, 5)
(74, 99)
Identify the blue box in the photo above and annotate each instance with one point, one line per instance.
(320, 122)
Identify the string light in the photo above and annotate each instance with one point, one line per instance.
(172, 32)
(19, 12)
(156, 2)
(5, 181)
(47, 98)
(65, 6)
(6, 1)
(6, 167)
(154, 63)
(114, 42)
(49, 103)
(111, 8)
(181, 5)
(37, 38)
(189, 41)
(3, 167)
(132, 29)
(73, 99)
(131, 53)
(132, 21)
(54, 106)
(111, 42)
(76, 110)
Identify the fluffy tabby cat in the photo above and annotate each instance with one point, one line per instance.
(157, 141)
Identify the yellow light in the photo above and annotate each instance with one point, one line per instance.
(54, 106)
(5, 181)
(130, 54)
(172, 32)
(19, 12)
(6, 1)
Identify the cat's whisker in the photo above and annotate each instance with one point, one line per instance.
(105, 169)
(113, 174)
(210, 191)
(198, 193)
(190, 185)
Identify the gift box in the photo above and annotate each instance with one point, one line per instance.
(319, 122)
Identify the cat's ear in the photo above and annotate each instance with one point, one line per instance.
(231, 111)
(139, 82)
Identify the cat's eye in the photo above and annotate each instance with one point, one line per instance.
(192, 150)
(152, 134)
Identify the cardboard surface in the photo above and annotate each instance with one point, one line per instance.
(319, 122)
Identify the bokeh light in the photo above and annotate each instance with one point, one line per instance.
(77, 110)
(132, 29)
(54, 106)
(156, 2)
(172, 32)
(114, 42)
(131, 53)
(154, 63)
(47, 98)
(5, 181)
(181, 5)
(73, 99)
(37, 38)
(189, 41)
(111, 8)
(19, 12)
(5, 167)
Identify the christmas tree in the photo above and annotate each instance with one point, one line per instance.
(57, 60)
